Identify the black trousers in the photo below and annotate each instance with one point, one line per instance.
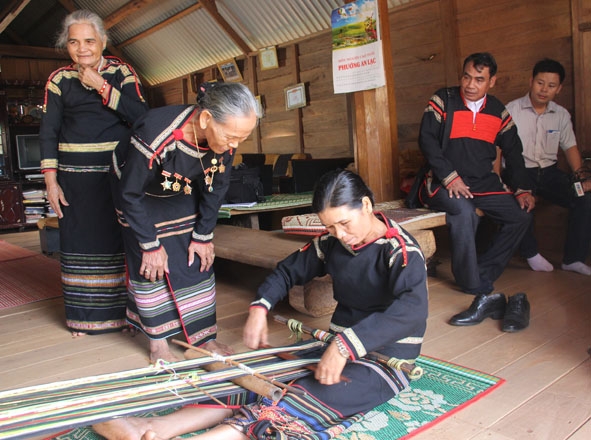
(476, 273)
(556, 186)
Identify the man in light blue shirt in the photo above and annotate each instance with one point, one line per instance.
(543, 127)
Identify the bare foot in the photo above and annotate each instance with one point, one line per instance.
(150, 435)
(128, 428)
(218, 347)
(76, 334)
(131, 330)
(159, 350)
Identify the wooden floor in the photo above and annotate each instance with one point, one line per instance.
(547, 367)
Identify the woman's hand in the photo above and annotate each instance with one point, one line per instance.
(205, 252)
(90, 77)
(55, 195)
(154, 264)
(256, 330)
(331, 366)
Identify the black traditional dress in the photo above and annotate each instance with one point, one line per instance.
(79, 132)
(381, 290)
(165, 201)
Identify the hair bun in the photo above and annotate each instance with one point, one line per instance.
(204, 88)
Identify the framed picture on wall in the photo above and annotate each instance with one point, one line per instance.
(268, 58)
(230, 71)
(295, 96)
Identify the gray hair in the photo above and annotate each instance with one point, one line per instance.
(77, 17)
(225, 100)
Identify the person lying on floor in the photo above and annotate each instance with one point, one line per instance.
(380, 283)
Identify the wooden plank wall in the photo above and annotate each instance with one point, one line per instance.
(29, 70)
(518, 33)
(419, 70)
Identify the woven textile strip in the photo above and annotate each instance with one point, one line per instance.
(53, 407)
(275, 201)
(444, 389)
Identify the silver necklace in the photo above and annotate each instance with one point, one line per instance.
(210, 172)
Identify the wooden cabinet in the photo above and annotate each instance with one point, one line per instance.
(20, 114)
(11, 206)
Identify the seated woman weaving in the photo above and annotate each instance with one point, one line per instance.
(379, 280)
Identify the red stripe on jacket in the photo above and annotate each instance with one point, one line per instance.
(484, 127)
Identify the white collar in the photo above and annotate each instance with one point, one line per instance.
(475, 106)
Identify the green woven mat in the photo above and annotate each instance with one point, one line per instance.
(273, 201)
(443, 389)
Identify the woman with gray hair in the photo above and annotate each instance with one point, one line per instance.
(173, 179)
(88, 111)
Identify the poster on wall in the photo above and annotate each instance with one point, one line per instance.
(356, 47)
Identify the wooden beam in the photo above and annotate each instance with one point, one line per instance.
(161, 25)
(125, 11)
(210, 6)
(449, 38)
(32, 52)
(68, 5)
(375, 129)
(251, 68)
(299, 128)
(10, 12)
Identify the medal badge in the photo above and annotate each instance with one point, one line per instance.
(166, 184)
(176, 186)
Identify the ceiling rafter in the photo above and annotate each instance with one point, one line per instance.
(161, 25)
(211, 7)
(10, 12)
(125, 11)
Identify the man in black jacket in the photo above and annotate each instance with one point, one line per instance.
(460, 132)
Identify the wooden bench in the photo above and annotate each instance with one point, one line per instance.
(266, 248)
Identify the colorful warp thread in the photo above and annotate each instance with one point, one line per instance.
(63, 405)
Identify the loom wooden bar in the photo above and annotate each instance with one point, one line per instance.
(250, 383)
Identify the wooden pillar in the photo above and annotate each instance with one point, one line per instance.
(449, 37)
(299, 128)
(581, 34)
(375, 129)
(251, 65)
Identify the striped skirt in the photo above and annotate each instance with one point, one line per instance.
(184, 302)
(91, 251)
(324, 411)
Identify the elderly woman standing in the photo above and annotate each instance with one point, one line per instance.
(173, 179)
(88, 110)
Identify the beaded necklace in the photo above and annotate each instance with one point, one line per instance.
(210, 172)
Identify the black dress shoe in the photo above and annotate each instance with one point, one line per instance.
(517, 313)
(483, 306)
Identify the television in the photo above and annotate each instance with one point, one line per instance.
(28, 152)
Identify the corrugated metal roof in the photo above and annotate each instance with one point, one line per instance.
(196, 41)
(192, 43)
